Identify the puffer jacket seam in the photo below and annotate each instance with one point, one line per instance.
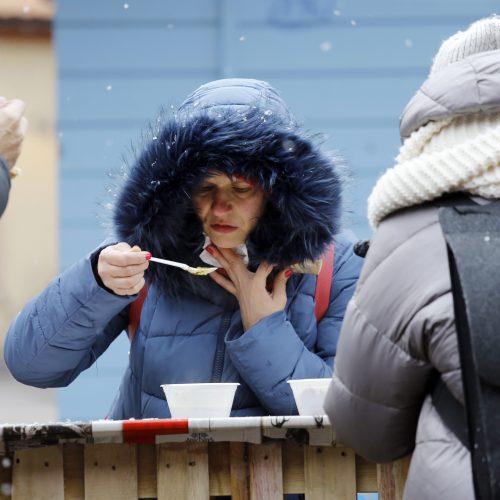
(383, 405)
(447, 110)
(395, 343)
(36, 317)
(395, 249)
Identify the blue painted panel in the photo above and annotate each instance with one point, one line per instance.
(133, 10)
(90, 396)
(363, 101)
(361, 49)
(316, 12)
(137, 49)
(93, 195)
(329, 99)
(86, 154)
(78, 240)
(130, 102)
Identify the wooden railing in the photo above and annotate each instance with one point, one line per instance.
(192, 470)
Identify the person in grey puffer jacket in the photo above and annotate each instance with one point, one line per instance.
(228, 177)
(399, 329)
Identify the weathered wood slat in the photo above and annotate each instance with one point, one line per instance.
(240, 472)
(73, 469)
(293, 467)
(219, 469)
(329, 473)
(146, 470)
(110, 471)
(366, 475)
(38, 474)
(391, 478)
(183, 471)
(266, 473)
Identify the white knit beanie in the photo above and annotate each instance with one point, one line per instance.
(455, 154)
(481, 36)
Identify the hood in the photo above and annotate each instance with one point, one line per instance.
(238, 127)
(462, 88)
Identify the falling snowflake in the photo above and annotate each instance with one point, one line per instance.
(336, 13)
(353, 22)
(6, 489)
(26, 9)
(125, 6)
(409, 43)
(288, 145)
(242, 38)
(326, 46)
(109, 87)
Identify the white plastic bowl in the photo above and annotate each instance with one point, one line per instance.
(200, 400)
(309, 394)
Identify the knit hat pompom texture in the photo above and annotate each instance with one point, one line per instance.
(454, 154)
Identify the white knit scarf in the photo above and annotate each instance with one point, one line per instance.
(459, 154)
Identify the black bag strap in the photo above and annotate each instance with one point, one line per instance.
(451, 411)
(472, 234)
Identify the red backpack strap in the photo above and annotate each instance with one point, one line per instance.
(135, 312)
(324, 283)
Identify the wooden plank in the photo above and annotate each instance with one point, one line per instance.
(146, 470)
(293, 467)
(73, 467)
(111, 471)
(183, 471)
(5, 477)
(38, 474)
(329, 473)
(240, 473)
(366, 475)
(266, 475)
(391, 478)
(219, 469)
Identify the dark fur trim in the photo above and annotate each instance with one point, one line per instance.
(154, 208)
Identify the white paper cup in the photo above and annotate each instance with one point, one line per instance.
(309, 394)
(200, 400)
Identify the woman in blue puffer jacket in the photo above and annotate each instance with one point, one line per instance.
(228, 177)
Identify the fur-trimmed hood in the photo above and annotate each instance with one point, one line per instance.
(236, 127)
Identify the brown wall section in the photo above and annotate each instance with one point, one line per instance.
(28, 228)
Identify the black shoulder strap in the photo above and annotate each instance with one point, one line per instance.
(451, 411)
(472, 234)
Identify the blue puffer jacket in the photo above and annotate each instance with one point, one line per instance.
(190, 328)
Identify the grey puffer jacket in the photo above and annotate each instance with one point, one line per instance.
(399, 327)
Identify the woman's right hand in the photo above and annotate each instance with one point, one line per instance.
(121, 268)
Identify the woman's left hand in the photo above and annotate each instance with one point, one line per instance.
(250, 288)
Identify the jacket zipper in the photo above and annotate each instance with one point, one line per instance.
(221, 348)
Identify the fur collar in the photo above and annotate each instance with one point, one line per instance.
(154, 208)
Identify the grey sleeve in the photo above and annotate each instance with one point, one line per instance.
(4, 185)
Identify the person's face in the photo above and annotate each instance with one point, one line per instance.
(229, 208)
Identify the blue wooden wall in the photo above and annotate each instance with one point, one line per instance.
(346, 67)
